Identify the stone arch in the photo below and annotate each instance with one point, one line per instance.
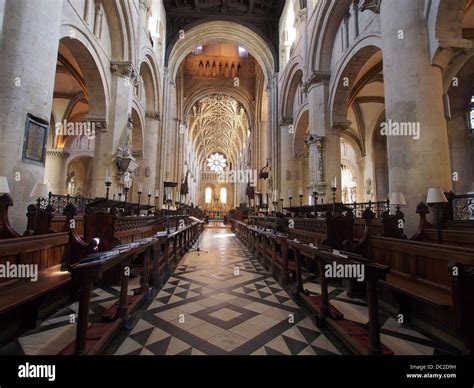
(138, 137)
(350, 67)
(380, 158)
(82, 167)
(447, 47)
(93, 71)
(301, 127)
(118, 22)
(223, 32)
(293, 74)
(329, 15)
(288, 99)
(149, 86)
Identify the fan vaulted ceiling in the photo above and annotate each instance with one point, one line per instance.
(218, 123)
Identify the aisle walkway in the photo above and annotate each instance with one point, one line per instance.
(224, 302)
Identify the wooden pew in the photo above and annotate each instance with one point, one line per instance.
(421, 280)
(459, 233)
(21, 299)
(360, 340)
(387, 226)
(92, 339)
(39, 222)
(6, 230)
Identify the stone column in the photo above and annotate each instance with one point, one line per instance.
(320, 126)
(99, 14)
(152, 123)
(88, 11)
(413, 96)
(28, 64)
(273, 136)
(313, 162)
(124, 76)
(55, 175)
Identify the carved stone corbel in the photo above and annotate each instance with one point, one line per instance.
(316, 78)
(370, 5)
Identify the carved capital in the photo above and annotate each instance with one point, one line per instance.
(371, 5)
(126, 70)
(153, 115)
(99, 124)
(286, 121)
(317, 78)
(143, 5)
(57, 153)
(341, 125)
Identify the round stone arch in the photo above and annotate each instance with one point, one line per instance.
(288, 93)
(149, 75)
(293, 69)
(350, 67)
(121, 32)
(93, 69)
(301, 125)
(223, 32)
(138, 131)
(330, 15)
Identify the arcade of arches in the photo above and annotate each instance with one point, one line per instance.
(243, 103)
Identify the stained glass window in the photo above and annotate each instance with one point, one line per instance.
(216, 162)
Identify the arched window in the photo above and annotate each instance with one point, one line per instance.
(224, 195)
(208, 196)
(348, 183)
(471, 115)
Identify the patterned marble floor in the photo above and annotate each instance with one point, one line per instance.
(222, 302)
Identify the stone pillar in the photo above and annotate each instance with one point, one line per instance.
(313, 163)
(108, 134)
(413, 95)
(55, 174)
(99, 14)
(273, 143)
(151, 148)
(28, 64)
(360, 179)
(316, 86)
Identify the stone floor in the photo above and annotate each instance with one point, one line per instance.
(223, 302)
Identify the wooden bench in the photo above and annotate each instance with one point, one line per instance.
(21, 299)
(458, 233)
(421, 273)
(6, 230)
(361, 340)
(92, 339)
